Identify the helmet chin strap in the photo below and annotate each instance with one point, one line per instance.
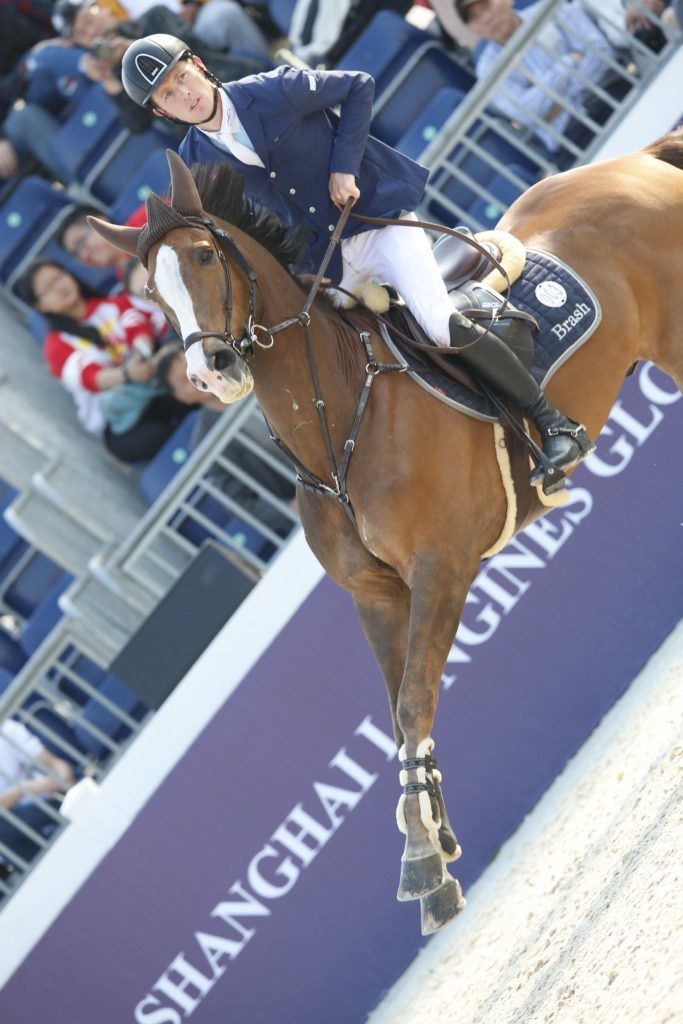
(213, 109)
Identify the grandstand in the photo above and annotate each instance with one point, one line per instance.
(95, 555)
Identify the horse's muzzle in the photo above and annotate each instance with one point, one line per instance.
(219, 370)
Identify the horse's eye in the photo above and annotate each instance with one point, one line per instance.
(205, 256)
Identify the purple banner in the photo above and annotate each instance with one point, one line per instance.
(258, 884)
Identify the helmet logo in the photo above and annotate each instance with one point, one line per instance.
(149, 66)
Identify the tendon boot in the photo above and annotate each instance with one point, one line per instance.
(564, 442)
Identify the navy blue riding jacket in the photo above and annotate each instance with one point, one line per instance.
(288, 117)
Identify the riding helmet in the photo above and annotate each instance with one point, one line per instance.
(146, 63)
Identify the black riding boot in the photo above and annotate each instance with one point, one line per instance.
(564, 442)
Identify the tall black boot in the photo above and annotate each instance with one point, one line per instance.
(564, 442)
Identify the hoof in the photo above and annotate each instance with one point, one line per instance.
(441, 906)
(420, 877)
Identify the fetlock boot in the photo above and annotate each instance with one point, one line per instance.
(564, 442)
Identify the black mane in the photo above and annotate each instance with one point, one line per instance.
(221, 190)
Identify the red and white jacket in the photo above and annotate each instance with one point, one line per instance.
(121, 323)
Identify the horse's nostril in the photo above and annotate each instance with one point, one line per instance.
(223, 359)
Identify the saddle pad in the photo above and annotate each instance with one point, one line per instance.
(564, 306)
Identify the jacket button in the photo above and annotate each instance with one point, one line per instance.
(311, 209)
(330, 227)
(292, 191)
(272, 174)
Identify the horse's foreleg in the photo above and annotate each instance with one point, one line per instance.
(383, 606)
(438, 592)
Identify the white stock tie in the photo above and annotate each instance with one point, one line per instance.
(241, 147)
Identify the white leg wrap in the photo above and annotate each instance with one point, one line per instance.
(423, 748)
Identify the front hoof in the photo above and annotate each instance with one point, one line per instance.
(441, 906)
(420, 877)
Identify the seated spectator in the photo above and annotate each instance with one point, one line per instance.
(28, 770)
(172, 373)
(569, 51)
(101, 349)
(87, 246)
(98, 40)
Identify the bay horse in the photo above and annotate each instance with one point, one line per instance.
(423, 480)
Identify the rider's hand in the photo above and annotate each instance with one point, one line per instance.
(343, 187)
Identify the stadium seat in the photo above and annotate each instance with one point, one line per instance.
(101, 718)
(160, 470)
(6, 678)
(483, 164)
(93, 130)
(153, 176)
(408, 66)
(429, 122)
(44, 616)
(11, 655)
(486, 212)
(28, 218)
(106, 178)
(25, 592)
(280, 12)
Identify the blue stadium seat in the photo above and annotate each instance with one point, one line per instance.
(483, 172)
(6, 677)
(160, 470)
(153, 176)
(36, 578)
(44, 616)
(409, 66)
(280, 12)
(430, 121)
(92, 129)
(27, 217)
(103, 719)
(11, 655)
(488, 213)
(383, 47)
(136, 149)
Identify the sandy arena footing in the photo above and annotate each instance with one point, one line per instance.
(579, 920)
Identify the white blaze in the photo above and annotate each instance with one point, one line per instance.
(172, 288)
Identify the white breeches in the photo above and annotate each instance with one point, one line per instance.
(401, 257)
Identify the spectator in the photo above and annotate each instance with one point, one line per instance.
(78, 238)
(28, 770)
(99, 40)
(569, 50)
(101, 349)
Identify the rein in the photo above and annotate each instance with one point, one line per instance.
(245, 346)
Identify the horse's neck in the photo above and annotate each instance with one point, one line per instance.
(283, 377)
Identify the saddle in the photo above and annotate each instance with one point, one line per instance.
(463, 269)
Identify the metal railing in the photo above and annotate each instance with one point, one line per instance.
(483, 158)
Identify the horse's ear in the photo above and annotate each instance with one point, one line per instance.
(125, 238)
(184, 194)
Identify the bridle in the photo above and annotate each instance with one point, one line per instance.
(223, 240)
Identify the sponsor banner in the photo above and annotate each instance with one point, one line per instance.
(258, 883)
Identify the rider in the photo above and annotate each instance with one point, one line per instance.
(303, 161)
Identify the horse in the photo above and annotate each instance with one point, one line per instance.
(400, 503)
